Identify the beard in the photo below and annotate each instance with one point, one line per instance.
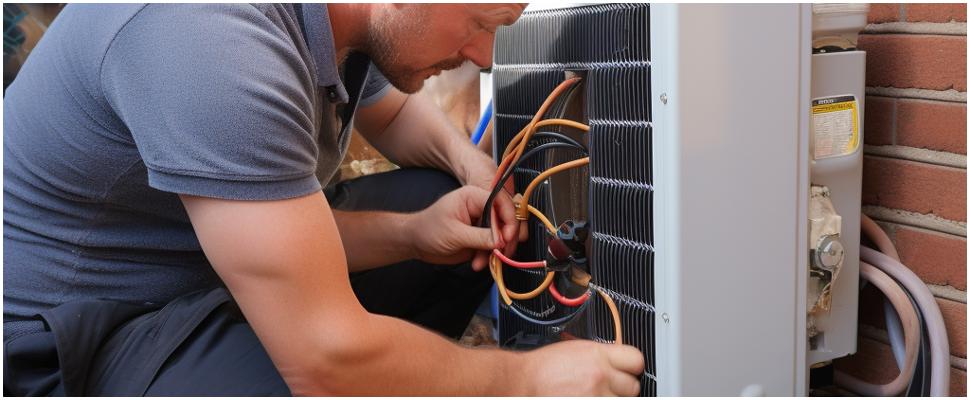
(387, 44)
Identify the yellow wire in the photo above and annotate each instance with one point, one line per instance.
(524, 201)
(617, 327)
(545, 221)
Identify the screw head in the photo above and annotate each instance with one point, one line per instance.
(663, 98)
(829, 253)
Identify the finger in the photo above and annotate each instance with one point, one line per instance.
(505, 210)
(624, 384)
(479, 261)
(476, 238)
(625, 358)
(475, 198)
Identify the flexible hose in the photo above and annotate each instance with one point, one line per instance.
(872, 230)
(893, 327)
(939, 346)
(911, 330)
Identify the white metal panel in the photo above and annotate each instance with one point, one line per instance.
(731, 196)
(840, 74)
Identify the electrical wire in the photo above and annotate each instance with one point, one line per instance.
(558, 321)
(518, 264)
(524, 201)
(615, 312)
(545, 221)
(522, 138)
(495, 264)
(500, 184)
(574, 302)
(560, 137)
(547, 122)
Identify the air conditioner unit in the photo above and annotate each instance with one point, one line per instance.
(698, 189)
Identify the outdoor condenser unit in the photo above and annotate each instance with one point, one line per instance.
(698, 190)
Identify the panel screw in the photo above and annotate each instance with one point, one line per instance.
(665, 317)
(829, 253)
(663, 98)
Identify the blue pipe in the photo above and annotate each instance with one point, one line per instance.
(482, 124)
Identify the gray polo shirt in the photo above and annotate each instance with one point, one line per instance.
(120, 108)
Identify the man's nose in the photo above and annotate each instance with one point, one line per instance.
(479, 49)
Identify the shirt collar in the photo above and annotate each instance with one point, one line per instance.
(316, 19)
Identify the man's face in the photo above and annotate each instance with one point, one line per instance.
(411, 42)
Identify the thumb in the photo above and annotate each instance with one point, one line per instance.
(477, 238)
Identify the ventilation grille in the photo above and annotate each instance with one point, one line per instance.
(610, 43)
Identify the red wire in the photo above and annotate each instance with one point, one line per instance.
(567, 301)
(518, 264)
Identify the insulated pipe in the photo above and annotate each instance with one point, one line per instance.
(893, 327)
(871, 229)
(911, 329)
(939, 347)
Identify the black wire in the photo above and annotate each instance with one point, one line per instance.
(553, 322)
(486, 216)
(558, 136)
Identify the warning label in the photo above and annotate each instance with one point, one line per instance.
(835, 126)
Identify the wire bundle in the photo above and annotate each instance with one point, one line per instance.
(513, 157)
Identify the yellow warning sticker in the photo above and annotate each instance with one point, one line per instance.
(835, 126)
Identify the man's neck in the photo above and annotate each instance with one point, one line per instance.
(348, 22)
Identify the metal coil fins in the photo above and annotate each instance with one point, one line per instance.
(610, 44)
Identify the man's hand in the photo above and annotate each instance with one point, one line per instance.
(474, 168)
(585, 368)
(445, 233)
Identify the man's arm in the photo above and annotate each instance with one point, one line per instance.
(294, 290)
(410, 130)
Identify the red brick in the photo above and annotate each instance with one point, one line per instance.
(914, 186)
(916, 61)
(879, 13)
(880, 115)
(935, 12)
(873, 362)
(937, 258)
(955, 318)
(958, 383)
(933, 125)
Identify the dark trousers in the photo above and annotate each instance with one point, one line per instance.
(200, 344)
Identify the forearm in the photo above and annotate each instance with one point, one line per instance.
(394, 357)
(420, 135)
(374, 238)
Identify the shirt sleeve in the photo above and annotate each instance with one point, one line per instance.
(217, 100)
(375, 88)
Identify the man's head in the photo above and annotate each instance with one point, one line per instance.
(411, 42)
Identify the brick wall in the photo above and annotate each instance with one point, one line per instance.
(915, 176)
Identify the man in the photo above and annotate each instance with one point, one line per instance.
(154, 154)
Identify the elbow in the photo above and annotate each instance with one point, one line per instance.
(336, 363)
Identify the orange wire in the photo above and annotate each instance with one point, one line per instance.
(617, 325)
(521, 213)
